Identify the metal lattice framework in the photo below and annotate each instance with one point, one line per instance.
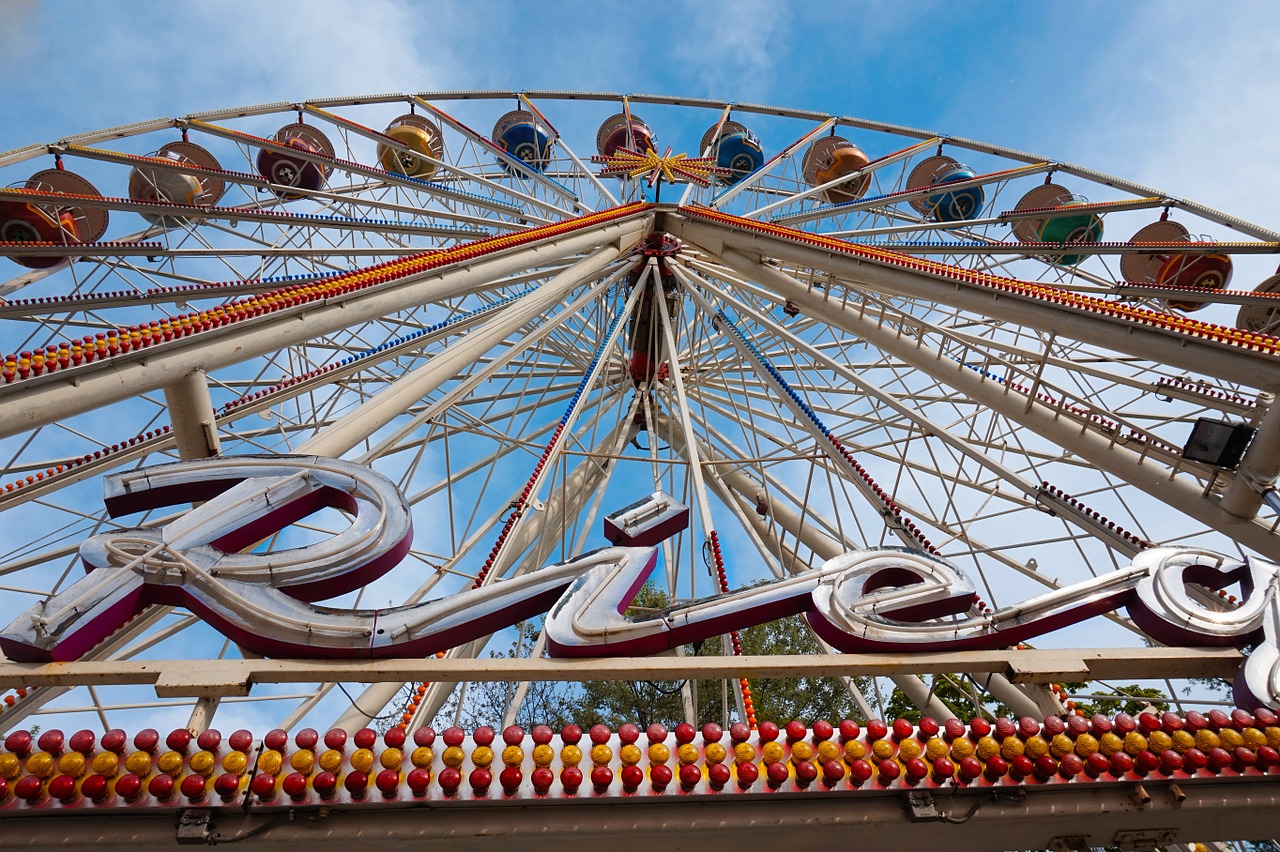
(856, 335)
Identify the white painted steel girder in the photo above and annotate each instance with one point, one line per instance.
(1198, 355)
(195, 424)
(1180, 492)
(1259, 467)
(55, 396)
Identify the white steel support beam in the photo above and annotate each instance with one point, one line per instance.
(774, 161)
(195, 424)
(186, 678)
(1259, 467)
(926, 425)
(816, 192)
(1199, 355)
(59, 395)
(400, 395)
(1180, 492)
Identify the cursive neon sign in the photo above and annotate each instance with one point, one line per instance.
(877, 600)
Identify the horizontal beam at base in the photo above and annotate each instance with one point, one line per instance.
(1122, 815)
(174, 678)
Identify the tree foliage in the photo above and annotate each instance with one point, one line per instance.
(644, 702)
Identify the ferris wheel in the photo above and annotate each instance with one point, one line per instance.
(818, 333)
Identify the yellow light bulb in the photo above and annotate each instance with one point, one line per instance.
(391, 758)
(235, 762)
(362, 759)
(170, 763)
(303, 760)
(1182, 740)
(105, 763)
(269, 762)
(202, 763)
(1086, 744)
(482, 756)
(71, 763)
(331, 760)
(421, 757)
(40, 764)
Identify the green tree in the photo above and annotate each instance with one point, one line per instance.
(644, 702)
(775, 699)
(950, 691)
(1131, 699)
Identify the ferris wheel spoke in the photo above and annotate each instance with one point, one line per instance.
(903, 410)
(46, 398)
(549, 185)
(1186, 496)
(352, 198)
(914, 688)
(517, 206)
(256, 214)
(519, 318)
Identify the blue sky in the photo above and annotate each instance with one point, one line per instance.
(1175, 95)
